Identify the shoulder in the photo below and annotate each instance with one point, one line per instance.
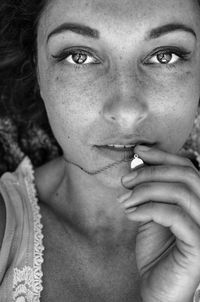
(2, 219)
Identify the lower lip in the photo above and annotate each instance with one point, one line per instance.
(116, 153)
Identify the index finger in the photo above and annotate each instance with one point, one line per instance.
(156, 156)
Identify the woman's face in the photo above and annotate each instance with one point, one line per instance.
(119, 73)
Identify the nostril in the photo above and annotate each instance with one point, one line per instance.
(125, 113)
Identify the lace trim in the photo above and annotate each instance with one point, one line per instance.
(27, 283)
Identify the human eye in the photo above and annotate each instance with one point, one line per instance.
(77, 57)
(170, 56)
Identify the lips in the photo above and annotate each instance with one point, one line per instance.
(119, 148)
(120, 151)
(116, 153)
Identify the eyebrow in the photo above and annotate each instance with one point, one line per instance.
(93, 33)
(76, 28)
(168, 28)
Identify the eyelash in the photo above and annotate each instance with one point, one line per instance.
(70, 52)
(180, 52)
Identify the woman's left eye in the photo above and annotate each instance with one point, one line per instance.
(164, 58)
(167, 57)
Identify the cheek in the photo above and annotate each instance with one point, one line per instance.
(74, 98)
(173, 105)
(72, 105)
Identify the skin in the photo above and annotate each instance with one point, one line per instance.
(123, 98)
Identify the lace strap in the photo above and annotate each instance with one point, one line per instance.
(27, 283)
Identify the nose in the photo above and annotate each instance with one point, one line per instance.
(126, 106)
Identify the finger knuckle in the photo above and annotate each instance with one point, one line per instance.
(145, 186)
(141, 188)
(183, 192)
(182, 189)
(151, 205)
(188, 197)
(179, 213)
(151, 171)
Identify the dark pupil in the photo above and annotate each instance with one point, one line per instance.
(79, 58)
(164, 58)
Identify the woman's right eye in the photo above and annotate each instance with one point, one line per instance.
(76, 57)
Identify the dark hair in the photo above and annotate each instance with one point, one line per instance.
(24, 121)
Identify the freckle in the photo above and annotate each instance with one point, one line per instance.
(189, 73)
(186, 75)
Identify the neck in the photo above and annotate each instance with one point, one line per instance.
(85, 204)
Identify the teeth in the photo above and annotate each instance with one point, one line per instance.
(122, 146)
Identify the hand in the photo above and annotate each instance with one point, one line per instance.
(165, 199)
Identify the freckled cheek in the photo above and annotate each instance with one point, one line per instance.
(177, 91)
(72, 103)
(172, 102)
(78, 94)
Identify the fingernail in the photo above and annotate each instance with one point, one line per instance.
(129, 177)
(143, 148)
(124, 197)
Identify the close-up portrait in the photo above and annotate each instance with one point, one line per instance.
(99, 150)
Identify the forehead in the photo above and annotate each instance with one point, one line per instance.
(138, 13)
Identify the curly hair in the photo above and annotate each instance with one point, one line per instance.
(18, 23)
(21, 106)
(24, 126)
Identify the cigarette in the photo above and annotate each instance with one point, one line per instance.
(136, 162)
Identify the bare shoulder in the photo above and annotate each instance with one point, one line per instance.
(2, 219)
